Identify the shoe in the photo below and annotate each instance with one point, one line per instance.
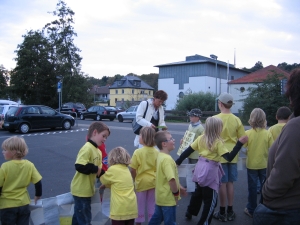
(219, 216)
(247, 213)
(188, 216)
(230, 216)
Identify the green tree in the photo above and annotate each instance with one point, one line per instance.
(201, 100)
(288, 67)
(256, 67)
(151, 79)
(267, 96)
(4, 77)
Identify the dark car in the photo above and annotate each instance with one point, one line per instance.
(27, 117)
(129, 114)
(98, 112)
(73, 109)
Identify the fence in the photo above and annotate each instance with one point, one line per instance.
(182, 115)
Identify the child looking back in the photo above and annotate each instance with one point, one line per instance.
(167, 189)
(15, 177)
(282, 115)
(88, 165)
(123, 205)
(259, 142)
(208, 171)
(143, 168)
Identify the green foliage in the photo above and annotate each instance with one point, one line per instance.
(4, 76)
(256, 67)
(288, 67)
(267, 96)
(201, 100)
(151, 79)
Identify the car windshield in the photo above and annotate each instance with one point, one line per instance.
(1, 109)
(80, 105)
(12, 110)
(110, 108)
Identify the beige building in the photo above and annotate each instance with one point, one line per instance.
(130, 90)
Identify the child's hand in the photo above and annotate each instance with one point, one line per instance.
(181, 141)
(243, 139)
(183, 191)
(102, 186)
(36, 198)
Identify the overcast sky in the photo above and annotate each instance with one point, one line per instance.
(132, 36)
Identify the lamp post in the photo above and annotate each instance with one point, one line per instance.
(215, 58)
(59, 90)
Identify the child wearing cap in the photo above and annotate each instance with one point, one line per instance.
(197, 128)
(233, 129)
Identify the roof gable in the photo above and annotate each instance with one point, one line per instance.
(130, 82)
(259, 75)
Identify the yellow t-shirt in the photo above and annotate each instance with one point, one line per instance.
(166, 170)
(144, 162)
(198, 130)
(259, 142)
(82, 185)
(275, 130)
(15, 177)
(233, 129)
(123, 203)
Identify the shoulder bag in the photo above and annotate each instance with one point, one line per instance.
(137, 127)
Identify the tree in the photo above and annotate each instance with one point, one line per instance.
(267, 96)
(4, 77)
(201, 100)
(288, 67)
(256, 67)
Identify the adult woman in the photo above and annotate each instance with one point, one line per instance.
(281, 191)
(155, 113)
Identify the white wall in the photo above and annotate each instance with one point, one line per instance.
(196, 84)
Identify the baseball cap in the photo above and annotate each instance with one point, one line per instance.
(195, 112)
(226, 98)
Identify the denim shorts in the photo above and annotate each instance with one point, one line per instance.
(230, 170)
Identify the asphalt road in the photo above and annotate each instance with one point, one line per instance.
(54, 154)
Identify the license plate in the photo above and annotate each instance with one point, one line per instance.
(6, 124)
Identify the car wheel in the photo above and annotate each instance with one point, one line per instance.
(82, 117)
(120, 118)
(12, 130)
(66, 125)
(111, 119)
(98, 117)
(24, 128)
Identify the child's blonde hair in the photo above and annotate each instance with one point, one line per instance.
(257, 119)
(118, 155)
(212, 132)
(99, 126)
(16, 143)
(147, 134)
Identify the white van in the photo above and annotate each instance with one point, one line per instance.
(7, 102)
(5, 106)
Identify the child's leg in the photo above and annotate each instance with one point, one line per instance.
(9, 216)
(150, 202)
(157, 217)
(252, 176)
(169, 215)
(82, 210)
(210, 198)
(195, 201)
(23, 215)
(141, 202)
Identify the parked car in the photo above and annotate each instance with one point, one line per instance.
(129, 114)
(98, 112)
(4, 109)
(27, 117)
(73, 109)
(120, 109)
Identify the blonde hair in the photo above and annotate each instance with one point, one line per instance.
(118, 155)
(257, 119)
(99, 126)
(160, 137)
(147, 134)
(212, 132)
(16, 143)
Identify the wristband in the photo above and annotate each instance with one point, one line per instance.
(176, 193)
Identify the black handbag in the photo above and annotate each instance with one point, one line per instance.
(137, 127)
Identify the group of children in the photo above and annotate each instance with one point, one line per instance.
(149, 180)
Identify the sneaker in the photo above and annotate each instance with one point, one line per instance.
(188, 216)
(219, 216)
(230, 216)
(247, 213)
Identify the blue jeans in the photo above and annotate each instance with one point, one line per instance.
(16, 215)
(82, 211)
(166, 214)
(253, 177)
(231, 173)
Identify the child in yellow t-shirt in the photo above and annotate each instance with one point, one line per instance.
(282, 115)
(143, 168)
(167, 189)
(123, 204)
(260, 140)
(15, 177)
(208, 171)
(88, 166)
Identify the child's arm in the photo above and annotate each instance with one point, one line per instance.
(173, 186)
(133, 173)
(184, 155)
(229, 156)
(88, 168)
(38, 191)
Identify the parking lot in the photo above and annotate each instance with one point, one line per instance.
(54, 154)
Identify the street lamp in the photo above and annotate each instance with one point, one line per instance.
(215, 58)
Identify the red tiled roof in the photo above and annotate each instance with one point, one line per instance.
(259, 75)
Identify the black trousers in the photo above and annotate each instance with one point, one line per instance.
(209, 197)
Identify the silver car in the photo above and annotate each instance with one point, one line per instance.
(129, 114)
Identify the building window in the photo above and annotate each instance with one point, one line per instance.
(232, 77)
(122, 99)
(181, 94)
(132, 99)
(142, 91)
(116, 91)
(242, 89)
(132, 91)
(149, 92)
(122, 91)
(116, 99)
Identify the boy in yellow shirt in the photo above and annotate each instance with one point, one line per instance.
(88, 165)
(282, 115)
(167, 190)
